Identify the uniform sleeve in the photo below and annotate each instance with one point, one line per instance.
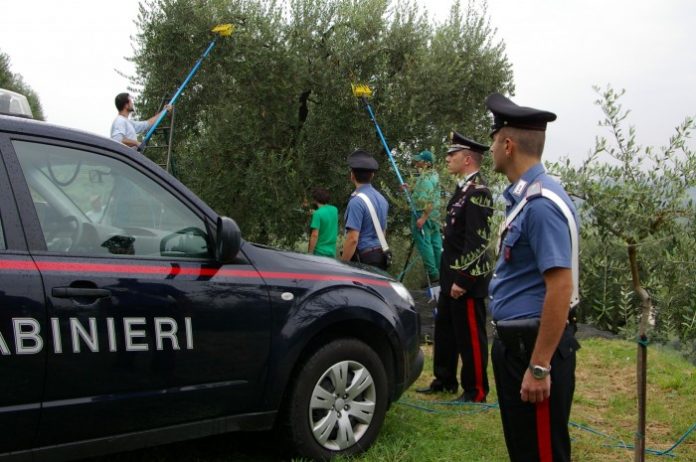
(315, 223)
(118, 129)
(354, 214)
(477, 229)
(548, 234)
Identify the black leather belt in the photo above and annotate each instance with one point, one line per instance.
(519, 335)
(369, 250)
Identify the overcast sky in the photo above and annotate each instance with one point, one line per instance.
(69, 52)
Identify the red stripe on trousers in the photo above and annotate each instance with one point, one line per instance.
(543, 424)
(476, 349)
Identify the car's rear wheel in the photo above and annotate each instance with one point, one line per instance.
(338, 401)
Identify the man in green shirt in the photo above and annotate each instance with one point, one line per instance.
(426, 228)
(324, 225)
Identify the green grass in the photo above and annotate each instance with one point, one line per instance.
(604, 403)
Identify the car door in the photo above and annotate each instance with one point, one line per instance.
(22, 328)
(147, 330)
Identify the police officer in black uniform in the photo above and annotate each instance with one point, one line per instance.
(534, 286)
(461, 313)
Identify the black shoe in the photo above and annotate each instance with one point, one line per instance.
(429, 390)
(436, 388)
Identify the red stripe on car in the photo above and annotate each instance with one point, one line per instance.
(73, 267)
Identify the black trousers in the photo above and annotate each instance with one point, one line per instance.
(536, 432)
(460, 332)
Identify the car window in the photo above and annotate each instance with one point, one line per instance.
(92, 204)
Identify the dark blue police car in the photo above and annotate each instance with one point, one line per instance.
(131, 314)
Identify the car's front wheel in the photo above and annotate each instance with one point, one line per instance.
(338, 402)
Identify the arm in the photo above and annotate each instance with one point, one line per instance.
(547, 231)
(350, 243)
(153, 119)
(313, 237)
(422, 192)
(130, 143)
(424, 216)
(559, 289)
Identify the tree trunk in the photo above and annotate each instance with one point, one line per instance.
(642, 353)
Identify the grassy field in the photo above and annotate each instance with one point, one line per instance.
(603, 417)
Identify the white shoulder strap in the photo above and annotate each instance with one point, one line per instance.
(572, 227)
(375, 221)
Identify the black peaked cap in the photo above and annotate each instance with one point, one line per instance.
(362, 160)
(508, 114)
(459, 142)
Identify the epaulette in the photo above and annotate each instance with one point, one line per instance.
(481, 186)
(533, 191)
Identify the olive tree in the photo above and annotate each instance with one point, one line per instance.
(636, 199)
(270, 115)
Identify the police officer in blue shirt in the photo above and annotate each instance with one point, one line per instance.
(362, 241)
(532, 290)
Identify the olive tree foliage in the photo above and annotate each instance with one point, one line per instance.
(638, 202)
(15, 82)
(638, 246)
(270, 115)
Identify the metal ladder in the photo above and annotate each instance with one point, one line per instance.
(164, 135)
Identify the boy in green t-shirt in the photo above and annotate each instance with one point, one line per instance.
(324, 225)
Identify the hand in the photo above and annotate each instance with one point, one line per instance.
(420, 222)
(168, 108)
(535, 390)
(456, 292)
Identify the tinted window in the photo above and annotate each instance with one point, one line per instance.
(92, 204)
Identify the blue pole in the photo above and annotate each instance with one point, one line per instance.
(391, 158)
(190, 75)
(398, 174)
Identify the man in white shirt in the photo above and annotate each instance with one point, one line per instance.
(125, 130)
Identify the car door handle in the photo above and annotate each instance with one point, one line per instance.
(72, 292)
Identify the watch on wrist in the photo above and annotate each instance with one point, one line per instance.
(539, 372)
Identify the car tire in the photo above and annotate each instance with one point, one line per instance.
(338, 401)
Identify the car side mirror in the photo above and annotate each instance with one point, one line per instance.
(228, 239)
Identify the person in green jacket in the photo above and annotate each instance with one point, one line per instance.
(324, 225)
(426, 228)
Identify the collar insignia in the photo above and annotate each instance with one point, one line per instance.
(519, 187)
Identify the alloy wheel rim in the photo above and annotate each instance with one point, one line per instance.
(342, 405)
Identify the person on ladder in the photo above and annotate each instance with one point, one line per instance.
(460, 323)
(125, 130)
(425, 229)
